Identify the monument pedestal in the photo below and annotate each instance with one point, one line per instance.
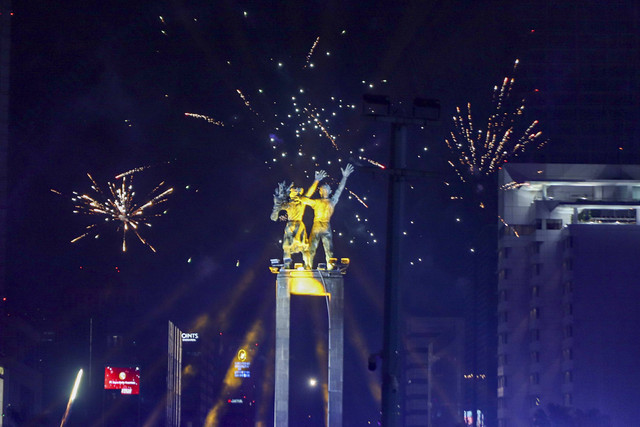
(327, 283)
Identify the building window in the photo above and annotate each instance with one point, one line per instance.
(568, 264)
(502, 381)
(505, 252)
(554, 224)
(568, 309)
(501, 404)
(538, 224)
(567, 353)
(568, 287)
(568, 377)
(503, 274)
(503, 295)
(502, 338)
(502, 359)
(534, 378)
(536, 247)
(535, 357)
(567, 399)
(535, 334)
(114, 341)
(535, 291)
(568, 331)
(502, 316)
(534, 313)
(568, 242)
(537, 268)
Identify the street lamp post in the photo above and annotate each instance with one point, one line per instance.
(378, 107)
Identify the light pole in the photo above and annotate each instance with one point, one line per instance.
(378, 107)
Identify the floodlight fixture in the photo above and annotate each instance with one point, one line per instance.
(376, 105)
(426, 108)
(275, 265)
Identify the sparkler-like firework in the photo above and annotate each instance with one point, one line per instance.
(118, 205)
(481, 152)
(204, 117)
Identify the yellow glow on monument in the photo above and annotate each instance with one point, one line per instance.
(304, 283)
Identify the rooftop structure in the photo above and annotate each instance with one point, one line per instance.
(568, 291)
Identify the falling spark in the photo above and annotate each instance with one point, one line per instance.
(324, 130)
(131, 171)
(515, 232)
(118, 205)
(246, 102)
(357, 198)
(207, 118)
(311, 52)
(481, 152)
(513, 185)
(135, 170)
(373, 162)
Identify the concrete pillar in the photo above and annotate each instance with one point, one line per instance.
(327, 283)
(283, 317)
(336, 349)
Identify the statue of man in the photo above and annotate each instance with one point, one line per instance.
(295, 238)
(322, 210)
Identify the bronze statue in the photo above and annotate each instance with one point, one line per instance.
(295, 238)
(322, 211)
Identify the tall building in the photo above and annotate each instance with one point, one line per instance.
(568, 291)
(210, 379)
(433, 371)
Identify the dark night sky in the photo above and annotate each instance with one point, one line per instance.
(103, 87)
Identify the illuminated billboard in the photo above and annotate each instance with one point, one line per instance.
(127, 380)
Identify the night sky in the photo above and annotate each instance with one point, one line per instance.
(103, 88)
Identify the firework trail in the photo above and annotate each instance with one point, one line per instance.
(138, 169)
(481, 152)
(307, 63)
(246, 102)
(513, 185)
(324, 129)
(373, 162)
(515, 232)
(358, 198)
(118, 205)
(207, 118)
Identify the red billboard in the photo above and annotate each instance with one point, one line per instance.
(127, 380)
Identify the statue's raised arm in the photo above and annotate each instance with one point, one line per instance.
(322, 211)
(319, 176)
(348, 170)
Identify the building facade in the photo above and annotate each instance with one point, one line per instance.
(568, 292)
(433, 371)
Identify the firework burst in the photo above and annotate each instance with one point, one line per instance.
(481, 152)
(117, 205)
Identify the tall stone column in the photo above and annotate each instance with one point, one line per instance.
(336, 348)
(327, 283)
(283, 322)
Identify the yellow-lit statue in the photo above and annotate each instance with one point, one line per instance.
(322, 211)
(295, 238)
